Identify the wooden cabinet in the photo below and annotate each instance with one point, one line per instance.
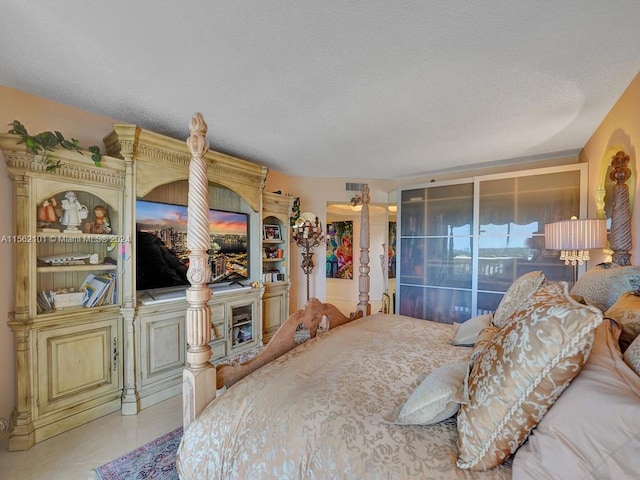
(68, 343)
(275, 261)
(463, 243)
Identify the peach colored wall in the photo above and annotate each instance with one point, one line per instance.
(619, 130)
(37, 115)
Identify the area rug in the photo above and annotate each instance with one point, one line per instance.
(154, 460)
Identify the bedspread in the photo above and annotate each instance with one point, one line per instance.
(318, 412)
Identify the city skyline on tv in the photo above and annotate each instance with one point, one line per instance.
(228, 248)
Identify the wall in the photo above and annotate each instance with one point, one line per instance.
(37, 115)
(619, 130)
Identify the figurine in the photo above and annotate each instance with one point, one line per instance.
(74, 212)
(101, 223)
(48, 212)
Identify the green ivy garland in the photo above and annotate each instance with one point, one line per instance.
(44, 143)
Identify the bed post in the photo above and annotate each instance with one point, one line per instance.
(199, 376)
(363, 304)
(620, 239)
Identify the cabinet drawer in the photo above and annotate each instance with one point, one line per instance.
(218, 349)
(218, 331)
(217, 312)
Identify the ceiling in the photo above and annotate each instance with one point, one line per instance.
(350, 89)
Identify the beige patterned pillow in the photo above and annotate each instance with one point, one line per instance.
(519, 291)
(437, 398)
(522, 371)
(467, 332)
(626, 313)
(601, 286)
(632, 355)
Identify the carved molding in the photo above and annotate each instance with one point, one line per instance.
(154, 154)
(74, 165)
(277, 203)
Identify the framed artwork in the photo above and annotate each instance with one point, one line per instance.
(391, 254)
(271, 232)
(340, 250)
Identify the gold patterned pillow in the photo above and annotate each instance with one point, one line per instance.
(484, 337)
(519, 291)
(626, 313)
(632, 355)
(521, 372)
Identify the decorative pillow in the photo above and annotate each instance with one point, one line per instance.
(632, 355)
(521, 372)
(626, 313)
(437, 398)
(519, 291)
(484, 338)
(601, 287)
(323, 326)
(467, 332)
(591, 432)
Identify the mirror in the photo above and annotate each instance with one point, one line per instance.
(342, 270)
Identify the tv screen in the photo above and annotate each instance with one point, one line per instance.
(162, 257)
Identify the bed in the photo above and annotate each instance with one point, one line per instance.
(353, 400)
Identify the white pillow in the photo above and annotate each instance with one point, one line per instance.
(467, 333)
(437, 398)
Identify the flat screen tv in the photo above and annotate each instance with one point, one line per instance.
(162, 255)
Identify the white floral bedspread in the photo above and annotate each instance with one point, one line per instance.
(318, 411)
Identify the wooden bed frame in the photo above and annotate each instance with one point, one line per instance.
(200, 379)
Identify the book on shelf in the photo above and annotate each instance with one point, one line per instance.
(101, 290)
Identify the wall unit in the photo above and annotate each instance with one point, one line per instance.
(157, 168)
(462, 243)
(275, 261)
(68, 362)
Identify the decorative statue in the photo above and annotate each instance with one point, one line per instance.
(100, 222)
(74, 212)
(48, 212)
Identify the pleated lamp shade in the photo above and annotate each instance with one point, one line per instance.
(576, 234)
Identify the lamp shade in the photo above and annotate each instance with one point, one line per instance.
(575, 234)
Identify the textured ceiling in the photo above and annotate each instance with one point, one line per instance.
(376, 89)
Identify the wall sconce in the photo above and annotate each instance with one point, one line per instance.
(356, 203)
(574, 238)
(307, 234)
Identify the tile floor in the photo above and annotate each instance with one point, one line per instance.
(73, 454)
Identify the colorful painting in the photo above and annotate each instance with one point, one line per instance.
(392, 250)
(340, 250)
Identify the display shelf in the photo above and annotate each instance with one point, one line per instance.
(65, 215)
(76, 268)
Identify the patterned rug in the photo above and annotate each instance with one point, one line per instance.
(156, 460)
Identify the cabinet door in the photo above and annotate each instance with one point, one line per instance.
(77, 364)
(163, 352)
(274, 310)
(436, 248)
(242, 317)
(512, 214)
(463, 245)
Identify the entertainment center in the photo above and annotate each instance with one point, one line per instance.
(76, 363)
(157, 170)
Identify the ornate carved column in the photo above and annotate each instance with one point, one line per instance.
(126, 148)
(620, 240)
(364, 280)
(199, 378)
